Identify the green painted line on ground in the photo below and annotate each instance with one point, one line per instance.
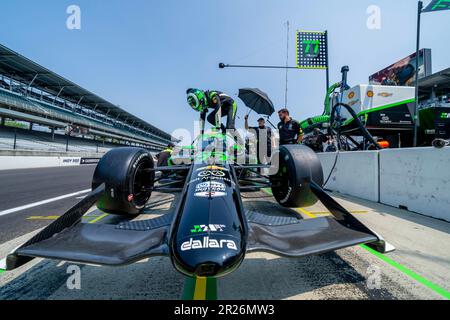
(194, 290)
(402, 269)
(409, 273)
(189, 289)
(211, 289)
(97, 219)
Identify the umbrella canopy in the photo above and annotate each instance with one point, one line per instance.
(257, 101)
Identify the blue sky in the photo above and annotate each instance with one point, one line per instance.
(144, 54)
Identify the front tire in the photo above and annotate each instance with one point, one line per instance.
(298, 165)
(127, 180)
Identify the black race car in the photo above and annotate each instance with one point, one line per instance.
(210, 232)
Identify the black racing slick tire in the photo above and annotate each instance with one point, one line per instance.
(297, 166)
(127, 181)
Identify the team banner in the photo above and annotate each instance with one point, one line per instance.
(312, 50)
(403, 72)
(437, 5)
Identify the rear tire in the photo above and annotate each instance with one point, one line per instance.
(298, 165)
(126, 181)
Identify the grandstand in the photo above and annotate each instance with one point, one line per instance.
(75, 119)
(22, 139)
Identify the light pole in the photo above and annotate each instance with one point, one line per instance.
(416, 106)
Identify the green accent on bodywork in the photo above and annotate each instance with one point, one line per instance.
(197, 229)
(203, 156)
(327, 108)
(409, 273)
(1, 271)
(325, 117)
(392, 105)
(319, 119)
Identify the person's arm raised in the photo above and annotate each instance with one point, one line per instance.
(246, 122)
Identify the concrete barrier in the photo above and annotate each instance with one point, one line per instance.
(40, 153)
(19, 162)
(417, 179)
(30, 159)
(355, 174)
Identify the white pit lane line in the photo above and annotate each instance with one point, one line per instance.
(39, 203)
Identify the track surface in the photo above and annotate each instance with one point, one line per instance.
(423, 247)
(27, 186)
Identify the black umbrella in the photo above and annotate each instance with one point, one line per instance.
(257, 101)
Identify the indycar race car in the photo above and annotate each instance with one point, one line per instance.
(210, 231)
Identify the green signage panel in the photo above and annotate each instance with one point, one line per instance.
(437, 5)
(312, 50)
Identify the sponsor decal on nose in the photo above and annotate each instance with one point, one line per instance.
(208, 243)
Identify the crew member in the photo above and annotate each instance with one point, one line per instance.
(221, 104)
(289, 129)
(263, 135)
(164, 156)
(316, 140)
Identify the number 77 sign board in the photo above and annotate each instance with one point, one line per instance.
(312, 50)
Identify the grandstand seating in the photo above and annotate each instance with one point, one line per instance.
(43, 141)
(45, 109)
(31, 93)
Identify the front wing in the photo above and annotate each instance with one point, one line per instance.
(70, 240)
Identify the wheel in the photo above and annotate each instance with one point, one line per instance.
(127, 182)
(439, 143)
(298, 165)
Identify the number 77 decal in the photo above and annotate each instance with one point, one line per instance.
(308, 43)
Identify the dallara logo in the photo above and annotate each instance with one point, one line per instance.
(208, 243)
(385, 94)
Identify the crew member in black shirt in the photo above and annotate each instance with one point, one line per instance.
(264, 136)
(289, 129)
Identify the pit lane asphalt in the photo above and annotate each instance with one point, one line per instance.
(26, 186)
(423, 247)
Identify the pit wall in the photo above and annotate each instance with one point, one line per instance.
(22, 162)
(417, 179)
(28, 159)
